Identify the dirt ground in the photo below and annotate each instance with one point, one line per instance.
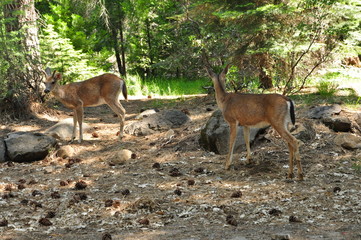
(173, 189)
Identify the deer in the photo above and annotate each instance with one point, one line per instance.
(255, 110)
(99, 90)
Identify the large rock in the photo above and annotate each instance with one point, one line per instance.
(2, 150)
(338, 124)
(305, 131)
(324, 111)
(163, 120)
(215, 135)
(348, 141)
(63, 130)
(28, 147)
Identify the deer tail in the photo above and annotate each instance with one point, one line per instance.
(125, 91)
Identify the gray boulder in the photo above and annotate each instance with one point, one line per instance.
(348, 141)
(338, 124)
(324, 111)
(2, 150)
(163, 120)
(215, 135)
(63, 130)
(305, 131)
(28, 147)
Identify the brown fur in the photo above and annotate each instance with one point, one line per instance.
(103, 89)
(256, 110)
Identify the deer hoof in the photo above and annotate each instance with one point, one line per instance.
(290, 175)
(300, 176)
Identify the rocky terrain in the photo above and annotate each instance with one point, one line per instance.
(164, 185)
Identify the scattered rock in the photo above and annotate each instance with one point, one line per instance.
(66, 151)
(294, 219)
(80, 185)
(122, 157)
(215, 135)
(305, 131)
(280, 236)
(143, 221)
(28, 147)
(231, 220)
(275, 212)
(125, 192)
(174, 172)
(324, 111)
(146, 113)
(178, 192)
(338, 124)
(107, 236)
(190, 182)
(2, 150)
(348, 141)
(45, 222)
(4, 223)
(50, 214)
(163, 120)
(236, 194)
(63, 130)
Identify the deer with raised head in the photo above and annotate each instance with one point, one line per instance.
(256, 110)
(103, 89)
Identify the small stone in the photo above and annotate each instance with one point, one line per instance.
(236, 194)
(108, 203)
(36, 193)
(336, 189)
(178, 192)
(107, 236)
(55, 195)
(190, 182)
(294, 219)
(45, 222)
(125, 192)
(143, 221)
(275, 212)
(174, 172)
(231, 220)
(80, 185)
(4, 223)
(156, 165)
(50, 214)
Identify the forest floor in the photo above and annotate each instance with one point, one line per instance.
(147, 198)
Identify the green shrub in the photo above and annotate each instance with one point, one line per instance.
(327, 88)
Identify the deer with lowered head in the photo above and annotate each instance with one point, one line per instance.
(103, 89)
(256, 110)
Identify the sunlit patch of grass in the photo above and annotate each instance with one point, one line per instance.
(165, 86)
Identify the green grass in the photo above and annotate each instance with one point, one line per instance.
(165, 86)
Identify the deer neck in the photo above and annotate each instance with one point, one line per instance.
(58, 92)
(221, 93)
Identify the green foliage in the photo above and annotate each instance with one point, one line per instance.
(59, 54)
(326, 88)
(165, 86)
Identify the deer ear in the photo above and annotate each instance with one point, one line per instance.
(57, 76)
(48, 71)
(224, 72)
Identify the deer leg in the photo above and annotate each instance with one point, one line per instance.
(232, 140)
(298, 161)
(80, 114)
(75, 120)
(246, 133)
(293, 151)
(120, 111)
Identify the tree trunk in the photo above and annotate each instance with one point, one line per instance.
(24, 74)
(116, 50)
